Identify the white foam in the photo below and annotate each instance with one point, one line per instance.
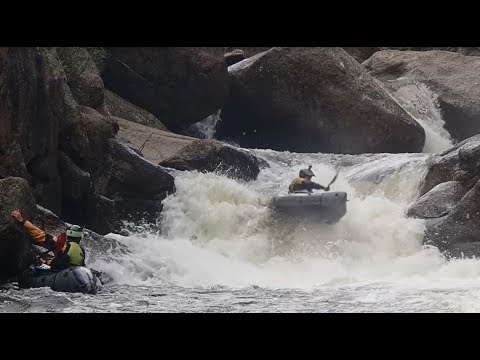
(216, 233)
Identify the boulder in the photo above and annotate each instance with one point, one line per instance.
(457, 163)
(215, 156)
(453, 77)
(154, 144)
(35, 103)
(76, 183)
(437, 202)
(121, 108)
(314, 100)
(460, 225)
(15, 254)
(82, 75)
(180, 86)
(84, 141)
(126, 187)
(234, 56)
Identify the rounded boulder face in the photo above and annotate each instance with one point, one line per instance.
(123, 109)
(450, 201)
(125, 187)
(234, 56)
(453, 77)
(460, 225)
(15, 194)
(458, 163)
(314, 100)
(83, 76)
(437, 202)
(180, 86)
(213, 155)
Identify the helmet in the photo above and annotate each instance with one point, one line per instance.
(75, 233)
(306, 172)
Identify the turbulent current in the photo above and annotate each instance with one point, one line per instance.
(218, 248)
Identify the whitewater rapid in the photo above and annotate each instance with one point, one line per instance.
(215, 232)
(217, 247)
(216, 238)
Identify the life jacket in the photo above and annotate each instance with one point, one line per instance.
(76, 254)
(296, 184)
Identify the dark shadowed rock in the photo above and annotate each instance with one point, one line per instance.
(180, 86)
(234, 56)
(123, 186)
(76, 183)
(124, 171)
(457, 232)
(82, 75)
(85, 140)
(437, 202)
(463, 250)
(62, 149)
(215, 156)
(48, 221)
(460, 225)
(457, 163)
(314, 100)
(15, 247)
(101, 214)
(468, 167)
(121, 108)
(126, 187)
(11, 159)
(35, 102)
(441, 169)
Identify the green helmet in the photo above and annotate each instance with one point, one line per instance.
(75, 233)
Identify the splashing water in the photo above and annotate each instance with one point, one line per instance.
(207, 127)
(219, 249)
(421, 103)
(217, 234)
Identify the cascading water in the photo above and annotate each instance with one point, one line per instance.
(206, 128)
(216, 232)
(421, 103)
(219, 249)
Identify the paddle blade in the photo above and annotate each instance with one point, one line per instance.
(333, 180)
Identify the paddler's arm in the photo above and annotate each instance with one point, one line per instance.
(38, 235)
(314, 185)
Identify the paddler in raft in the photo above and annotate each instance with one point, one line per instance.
(304, 182)
(66, 246)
